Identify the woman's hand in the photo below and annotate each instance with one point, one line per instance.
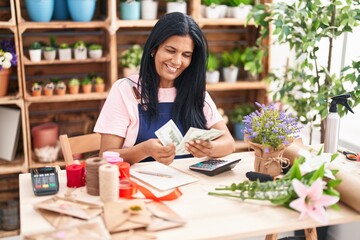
(162, 154)
(200, 148)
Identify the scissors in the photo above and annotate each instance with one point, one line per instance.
(351, 156)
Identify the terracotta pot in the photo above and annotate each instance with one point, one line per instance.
(36, 93)
(60, 91)
(48, 92)
(270, 162)
(45, 135)
(74, 89)
(86, 88)
(4, 80)
(99, 88)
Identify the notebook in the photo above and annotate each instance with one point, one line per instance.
(161, 176)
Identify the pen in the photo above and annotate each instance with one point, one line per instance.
(155, 174)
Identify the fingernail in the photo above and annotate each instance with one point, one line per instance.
(197, 141)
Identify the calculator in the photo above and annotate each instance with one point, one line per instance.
(212, 167)
(45, 181)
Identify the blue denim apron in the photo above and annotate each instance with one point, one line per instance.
(147, 127)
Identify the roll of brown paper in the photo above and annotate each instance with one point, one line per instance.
(349, 189)
(292, 152)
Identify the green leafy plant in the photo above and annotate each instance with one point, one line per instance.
(36, 86)
(36, 45)
(240, 111)
(50, 85)
(307, 187)
(49, 48)
(131, 57)
(231, 59)
(74, 82)
(305, 26)
(212, 62)
(95, 46)
(79, 45)
(211, 2)
(252, 58)
(60, 85)
(99, 80)
(86, 81)
(64, 46)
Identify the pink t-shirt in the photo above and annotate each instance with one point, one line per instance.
(120, 116)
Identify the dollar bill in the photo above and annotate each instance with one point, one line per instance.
(169, 133)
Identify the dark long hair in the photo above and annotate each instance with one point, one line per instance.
(190, 85)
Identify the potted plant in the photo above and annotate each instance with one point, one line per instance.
(240, 8)
(252, 58)
(305, 27)
(60, 88)
(236, 117)
(99, 84)
(64, 52)
(86, 85)
(149, 9)
(36, 89)
(212, 66)
(74, 86)
(130, 10)
(35, 51)
(230, 62)
(8, 59)
(212, 8)
(49, 88)
(130, 59)
(176, 6)
(80, 50)
(49, 53)
(95, 51)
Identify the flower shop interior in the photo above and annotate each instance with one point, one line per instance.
(59, 59)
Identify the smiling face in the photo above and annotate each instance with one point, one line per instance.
(172, 57)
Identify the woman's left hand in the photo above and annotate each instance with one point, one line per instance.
(200, 148)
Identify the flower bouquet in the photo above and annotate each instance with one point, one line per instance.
(308, 187)
(269, 131)
(7, 54)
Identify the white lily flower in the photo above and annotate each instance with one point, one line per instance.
(314, 163)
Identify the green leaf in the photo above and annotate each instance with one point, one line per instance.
(318, 174)
(333, 182)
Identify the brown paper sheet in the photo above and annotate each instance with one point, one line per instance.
(58, 220)
(349, 189)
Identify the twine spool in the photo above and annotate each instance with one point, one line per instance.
(108, 182)
(92, 174)
(75, 175)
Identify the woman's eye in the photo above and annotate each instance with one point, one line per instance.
(187, 55)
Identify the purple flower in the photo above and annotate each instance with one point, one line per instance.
(8, 56)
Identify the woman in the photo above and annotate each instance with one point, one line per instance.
(170, 85)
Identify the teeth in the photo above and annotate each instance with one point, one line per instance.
(171, 68)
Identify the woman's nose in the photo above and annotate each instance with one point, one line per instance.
(177, 59)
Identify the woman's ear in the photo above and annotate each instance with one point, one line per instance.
(153, 52)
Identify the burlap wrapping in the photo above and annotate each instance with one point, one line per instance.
(270, 162)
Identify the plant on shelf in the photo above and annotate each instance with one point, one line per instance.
(230, 62)
(95, 51)
(60, 88)
(50, 50)
(49, 88)
(212, 66)
(130, 59)
(212, 8)
(130, 9)
(86, 85)
(252, 59)
(74, 86)
(36, 89)
(8, 59)
(35, 51)
(176, 6)
(80, 50)
(99, 84)
(310, 29)
(64, 52)
(149, 9)
(236, 118)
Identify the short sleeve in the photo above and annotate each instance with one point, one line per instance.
(211, 113)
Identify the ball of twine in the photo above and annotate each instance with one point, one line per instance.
(108, 182)
(92, 174)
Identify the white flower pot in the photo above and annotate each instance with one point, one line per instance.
(80, 54)
(149, 9)
(212, 76)
(241, 11)
(35, 55)
(223, 10)
(230, 74)
(176, 7)
(50, 55)
(95, 54)
(203, 10)
(65, 54)
(213, 12)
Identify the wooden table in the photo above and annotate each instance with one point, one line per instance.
(208, 217)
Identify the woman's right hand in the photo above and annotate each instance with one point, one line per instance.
(162, 154)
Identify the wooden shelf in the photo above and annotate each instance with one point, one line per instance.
(10, 99)
(240, 85)
(23, 25)
(135, 23)
(223, 22)
(34, 164)
(9, 233)
(67, 97)
(28, 62)
(16, 166)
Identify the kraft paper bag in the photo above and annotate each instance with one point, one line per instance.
(58, 220)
